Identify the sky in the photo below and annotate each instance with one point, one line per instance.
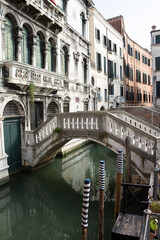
(139, 16)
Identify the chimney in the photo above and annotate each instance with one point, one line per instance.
(153, 28)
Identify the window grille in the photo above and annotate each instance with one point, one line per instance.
(13, 109)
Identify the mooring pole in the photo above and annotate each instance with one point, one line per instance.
(128, 159)
(85, 205)
(119, 173)
(101, 199)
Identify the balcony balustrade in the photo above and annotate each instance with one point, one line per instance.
(44, 10)
(23, 74)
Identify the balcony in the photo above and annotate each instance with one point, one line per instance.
(22, 75)
(43, 11)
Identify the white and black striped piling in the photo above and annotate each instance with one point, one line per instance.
(101, 200)
(85, 206)
(119, 173)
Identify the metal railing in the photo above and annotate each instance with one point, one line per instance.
(146, 233)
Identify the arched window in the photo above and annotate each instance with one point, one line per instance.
(39, 52)
(52, 109)
(9, 40)
(83, 23)
(84, 70)
(26, 53)
(64, 61)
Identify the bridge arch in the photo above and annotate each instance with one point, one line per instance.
(104, 127)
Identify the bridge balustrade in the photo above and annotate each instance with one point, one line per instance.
(42, 132)
(104, 127)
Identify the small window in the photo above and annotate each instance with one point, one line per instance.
(121, 74)
(157, 39)
(104, 40)
(105, 94)
(114, 47)
(158, 89)
(157, 59)
(109, 45)
(121, 91)
(99, 62)
(97, 34)
(105, 70)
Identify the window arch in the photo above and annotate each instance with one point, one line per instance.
(83, 23)
(52, 109)
(84, 70)
(39, 52)
(51, 56)
(65, 61)
(9, 40)
(26, 51)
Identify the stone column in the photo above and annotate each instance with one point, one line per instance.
(33, 40)
(18, 35)
(46, 49)
(55, 60)
(4, 175)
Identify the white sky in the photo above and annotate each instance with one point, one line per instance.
(139, 16)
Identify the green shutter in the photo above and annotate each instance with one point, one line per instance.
(25, 47)
(9, 40)
(39, 52)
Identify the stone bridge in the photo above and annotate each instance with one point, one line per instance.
(116, 129)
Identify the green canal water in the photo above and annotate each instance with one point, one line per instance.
(46, 204)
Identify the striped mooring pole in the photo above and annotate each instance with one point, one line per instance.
(101, 200)
(119, 173)
(85, 206)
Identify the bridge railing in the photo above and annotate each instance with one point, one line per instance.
(96, 122)
(139, 138)
(42, 132)
(138, 123)
(82, 121)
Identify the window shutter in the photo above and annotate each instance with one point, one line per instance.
(9, 41)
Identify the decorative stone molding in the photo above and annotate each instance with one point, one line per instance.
(36, 77)
(47, 80)
(22, 74)
(76, 56)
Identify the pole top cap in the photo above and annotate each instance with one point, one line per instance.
(87, 180)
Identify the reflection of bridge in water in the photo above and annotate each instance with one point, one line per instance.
(36, 204)
(113, 128)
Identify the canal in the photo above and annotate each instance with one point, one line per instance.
(46, 204)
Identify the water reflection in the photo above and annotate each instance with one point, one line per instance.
(84, 163)
(47, 204)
